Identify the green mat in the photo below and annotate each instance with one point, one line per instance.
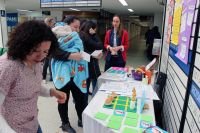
(114, 124)
(101, 116)
(116, 118)
(131, 122)
(132, 115)
(147, 118)
(129, 130)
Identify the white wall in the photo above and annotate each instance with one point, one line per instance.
(158, 21)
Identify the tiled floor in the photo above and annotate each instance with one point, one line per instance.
(48, 114)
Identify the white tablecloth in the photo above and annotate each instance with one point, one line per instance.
(93, 125)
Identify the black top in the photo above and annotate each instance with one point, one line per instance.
(92, 43)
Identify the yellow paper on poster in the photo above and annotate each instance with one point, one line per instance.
(176, 25)
(178, 1)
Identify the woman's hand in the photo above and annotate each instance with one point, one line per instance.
(61, 96)
(75, 56)
(116, 49)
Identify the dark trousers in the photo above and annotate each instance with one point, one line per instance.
(94, 82)
(47, 63)
(39, 129)
(79, 98)
(114, 62)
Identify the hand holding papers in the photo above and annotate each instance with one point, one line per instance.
(96, 53)
(85, 56)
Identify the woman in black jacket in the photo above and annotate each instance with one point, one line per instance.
(91, 43)
(153, 34)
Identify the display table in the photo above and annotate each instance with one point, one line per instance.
(100, 118)
(93, 125)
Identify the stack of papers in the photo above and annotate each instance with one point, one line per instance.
(125, 89)
(117, 87)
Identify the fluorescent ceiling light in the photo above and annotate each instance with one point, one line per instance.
(123, 2)
(23, 10)
(130, 10)
(74, 9)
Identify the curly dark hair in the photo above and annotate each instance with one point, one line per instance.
(28, 36)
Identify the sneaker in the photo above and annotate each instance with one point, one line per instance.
(44, 81)
(67, 127)
(80, 124)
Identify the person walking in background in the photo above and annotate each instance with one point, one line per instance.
(91, 43)
(50, 21)
(80, 96)
(116, 44)
(21, 77)
(153, 34)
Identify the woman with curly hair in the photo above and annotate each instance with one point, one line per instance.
(21, 76)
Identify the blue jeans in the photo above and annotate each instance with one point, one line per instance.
(39, 129)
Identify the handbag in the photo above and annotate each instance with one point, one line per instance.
(156, 46)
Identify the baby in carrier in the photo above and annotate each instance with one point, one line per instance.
(62, 71)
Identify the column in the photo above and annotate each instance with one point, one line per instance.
(3, 24)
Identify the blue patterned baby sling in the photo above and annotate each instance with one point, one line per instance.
(62, 71)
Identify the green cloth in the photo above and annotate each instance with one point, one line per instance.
(101, 116)
(114, 125)
(131, 122)
(129, 130)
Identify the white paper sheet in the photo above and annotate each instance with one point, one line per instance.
(96, 53)
(125, 89)
(85, 56)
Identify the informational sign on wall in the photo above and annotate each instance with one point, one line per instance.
(186, 29)
(70, 3)
(176, 21)
(170, 19)
(12, 19)
(182, 91)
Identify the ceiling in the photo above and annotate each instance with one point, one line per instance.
(140, 7)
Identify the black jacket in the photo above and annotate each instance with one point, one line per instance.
(92, 43)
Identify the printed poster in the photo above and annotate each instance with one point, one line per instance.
(170, 20)
(186, 30)
(177, 21)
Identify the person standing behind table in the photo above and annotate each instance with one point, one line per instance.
(50, 21)
(21, 77)
(116, 44)
(80, 98)
(153, 34)
(91, 43)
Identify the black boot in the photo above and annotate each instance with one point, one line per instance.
(67, 127)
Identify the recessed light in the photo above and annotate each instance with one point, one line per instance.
(74, 9)
(130, 10)
(124, 3)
